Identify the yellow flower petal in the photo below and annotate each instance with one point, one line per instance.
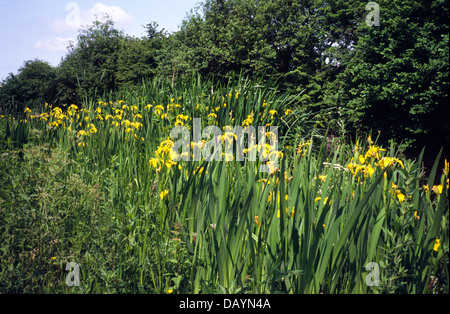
(361, 159)
(401, 197)
(257, 221)
(163, 194)
(437, 245)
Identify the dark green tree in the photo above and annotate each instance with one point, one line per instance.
(91, 66)
(139, 57)
(396, 80)
(280, 38)
(230, 36)
(327, 39)
(34, 85)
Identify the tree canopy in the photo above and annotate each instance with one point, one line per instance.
(392, 77)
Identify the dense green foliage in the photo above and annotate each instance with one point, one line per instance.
(86, 174)
(98, 186)
(397, 78)
(35, 84)
(350, 74)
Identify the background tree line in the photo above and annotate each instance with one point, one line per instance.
(392, 78)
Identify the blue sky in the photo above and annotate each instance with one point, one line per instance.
(41, 29)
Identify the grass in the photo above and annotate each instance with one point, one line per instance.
(98, 184)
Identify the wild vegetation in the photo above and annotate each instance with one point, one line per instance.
(91, 174)
(99, 185)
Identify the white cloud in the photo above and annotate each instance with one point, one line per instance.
(56, 44)
(76, 18)
(116, 13)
